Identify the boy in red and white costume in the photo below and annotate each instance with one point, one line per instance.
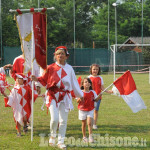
(59, 80)
(20, 101)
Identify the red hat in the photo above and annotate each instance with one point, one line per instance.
(63, 48)
(21, 75)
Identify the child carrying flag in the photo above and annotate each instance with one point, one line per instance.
(86, 108)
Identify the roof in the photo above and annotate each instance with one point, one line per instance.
(134, 40)
(138, 40)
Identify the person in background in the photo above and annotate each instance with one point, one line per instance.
(98, 86)
(2, 69)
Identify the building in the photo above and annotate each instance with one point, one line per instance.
(134, 40)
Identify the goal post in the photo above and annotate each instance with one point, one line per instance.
(133, 57)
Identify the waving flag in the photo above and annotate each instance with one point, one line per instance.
(32, 31)
(127, 89)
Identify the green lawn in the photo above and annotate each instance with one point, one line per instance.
(116, 122)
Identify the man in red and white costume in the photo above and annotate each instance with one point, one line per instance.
(18, 67)
(59, 80)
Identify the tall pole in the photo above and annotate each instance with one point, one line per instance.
(108, 27)
(114, 60)
(115, 47)
(38, 4)
(1, 32)
(115, 5)
(32, 102)
(114, 54)
(74, 29)
(116, 26)
(142, 25)
(139, 60)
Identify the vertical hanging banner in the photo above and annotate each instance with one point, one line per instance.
(28, 24)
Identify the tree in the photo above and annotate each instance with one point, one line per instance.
(60, 21)
(9, 29)
(128, 22)
(91, 21)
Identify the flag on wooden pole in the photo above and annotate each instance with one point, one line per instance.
(32, 31)
(127, 89)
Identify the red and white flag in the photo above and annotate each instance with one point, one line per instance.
(32, 31)
(127, 89)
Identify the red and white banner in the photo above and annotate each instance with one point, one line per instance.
(127, 89)
(32, 31)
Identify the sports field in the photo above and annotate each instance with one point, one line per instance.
(118, 126)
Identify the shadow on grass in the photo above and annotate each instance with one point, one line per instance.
(111, 129)
(125, 128)
(41, 130)
(114, 130)
(102, 129)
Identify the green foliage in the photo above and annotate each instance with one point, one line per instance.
(9, 29)
(91, 21)
(128, 21)
(146, 54)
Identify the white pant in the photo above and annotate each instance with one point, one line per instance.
(58, 114)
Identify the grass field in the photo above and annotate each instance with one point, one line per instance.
(116, 121)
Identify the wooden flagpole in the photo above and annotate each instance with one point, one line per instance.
(32, 85)
(105, 90)
(32, 105)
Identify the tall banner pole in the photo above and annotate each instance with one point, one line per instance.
(105, 90)
(74, 29)
(108, 27)
(32, 86)
(1, 46)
